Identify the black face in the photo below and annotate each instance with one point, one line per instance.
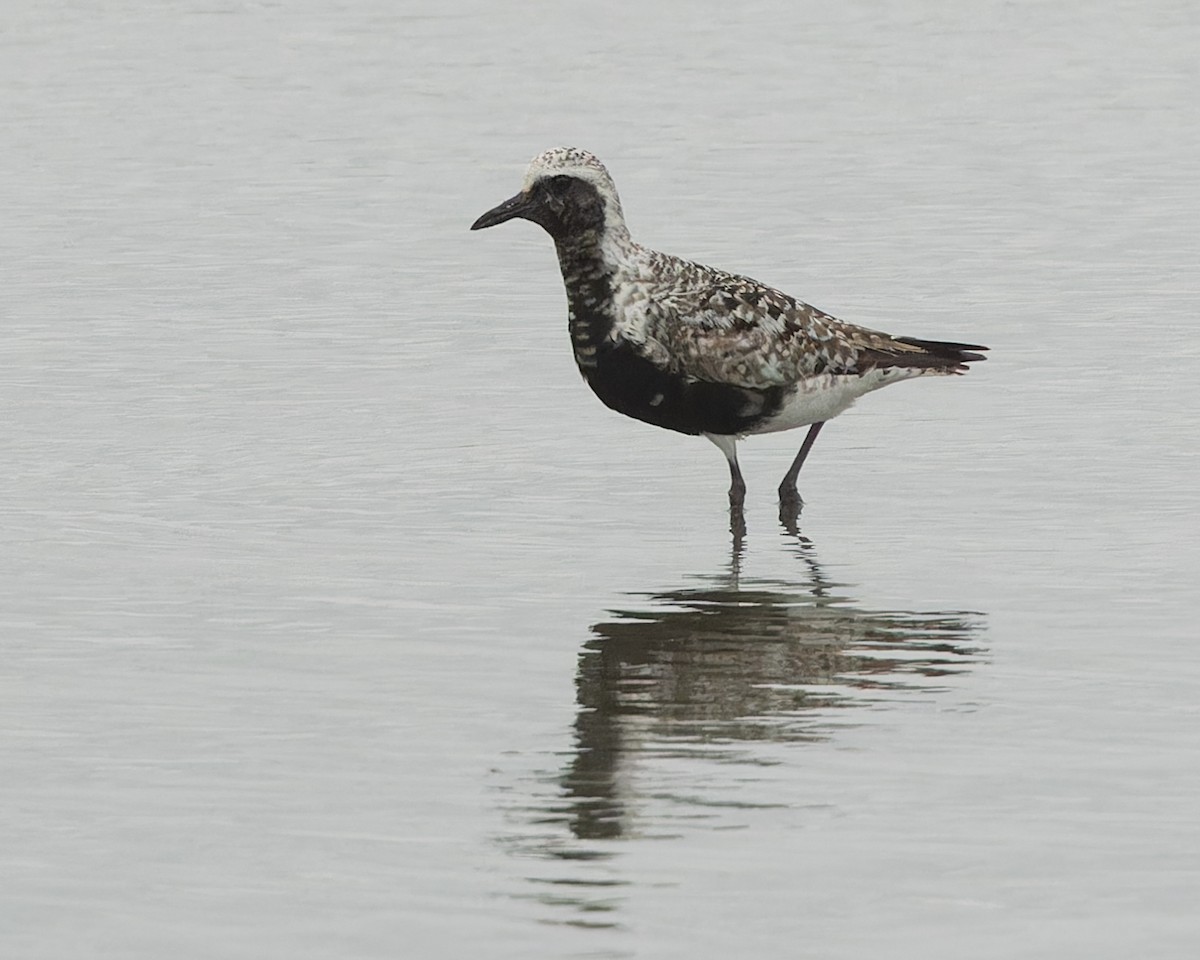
(563, 206)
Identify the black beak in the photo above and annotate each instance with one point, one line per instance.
(516, 206)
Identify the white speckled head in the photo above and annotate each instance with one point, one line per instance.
(573, 162)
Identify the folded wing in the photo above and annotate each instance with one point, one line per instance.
(724, 328)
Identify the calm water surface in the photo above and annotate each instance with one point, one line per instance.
(339, 620)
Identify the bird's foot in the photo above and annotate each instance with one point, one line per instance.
(737, 521)
(790, 505)
(737, 534)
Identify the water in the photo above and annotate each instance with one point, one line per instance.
(340, 620)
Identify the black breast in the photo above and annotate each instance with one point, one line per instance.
(630, 384)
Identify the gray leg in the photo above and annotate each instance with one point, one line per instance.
(737, 486)
(788, 495)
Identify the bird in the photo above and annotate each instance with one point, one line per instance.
(695, 349)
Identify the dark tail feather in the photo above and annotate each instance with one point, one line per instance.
(955, 353)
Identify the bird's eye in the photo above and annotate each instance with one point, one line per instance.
(561, 182)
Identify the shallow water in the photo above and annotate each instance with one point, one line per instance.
(340, 620)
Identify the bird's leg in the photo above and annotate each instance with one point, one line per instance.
(789, 497)
(737, 486)
(737, 515)
(737, 541)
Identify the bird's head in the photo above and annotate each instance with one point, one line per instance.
(567, 192)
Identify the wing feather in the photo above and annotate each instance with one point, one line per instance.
(724, 328)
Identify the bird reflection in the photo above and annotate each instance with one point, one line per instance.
(679, 690)
(710, 669)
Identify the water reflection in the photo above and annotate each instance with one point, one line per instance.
(681, 683)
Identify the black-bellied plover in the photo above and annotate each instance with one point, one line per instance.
(695, 349)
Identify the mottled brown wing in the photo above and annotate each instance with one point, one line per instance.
(734, 330)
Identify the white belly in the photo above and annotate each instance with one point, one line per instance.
(823, 397)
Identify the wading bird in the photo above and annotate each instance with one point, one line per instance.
(695, 349)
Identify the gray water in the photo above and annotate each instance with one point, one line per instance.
(340, 620)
